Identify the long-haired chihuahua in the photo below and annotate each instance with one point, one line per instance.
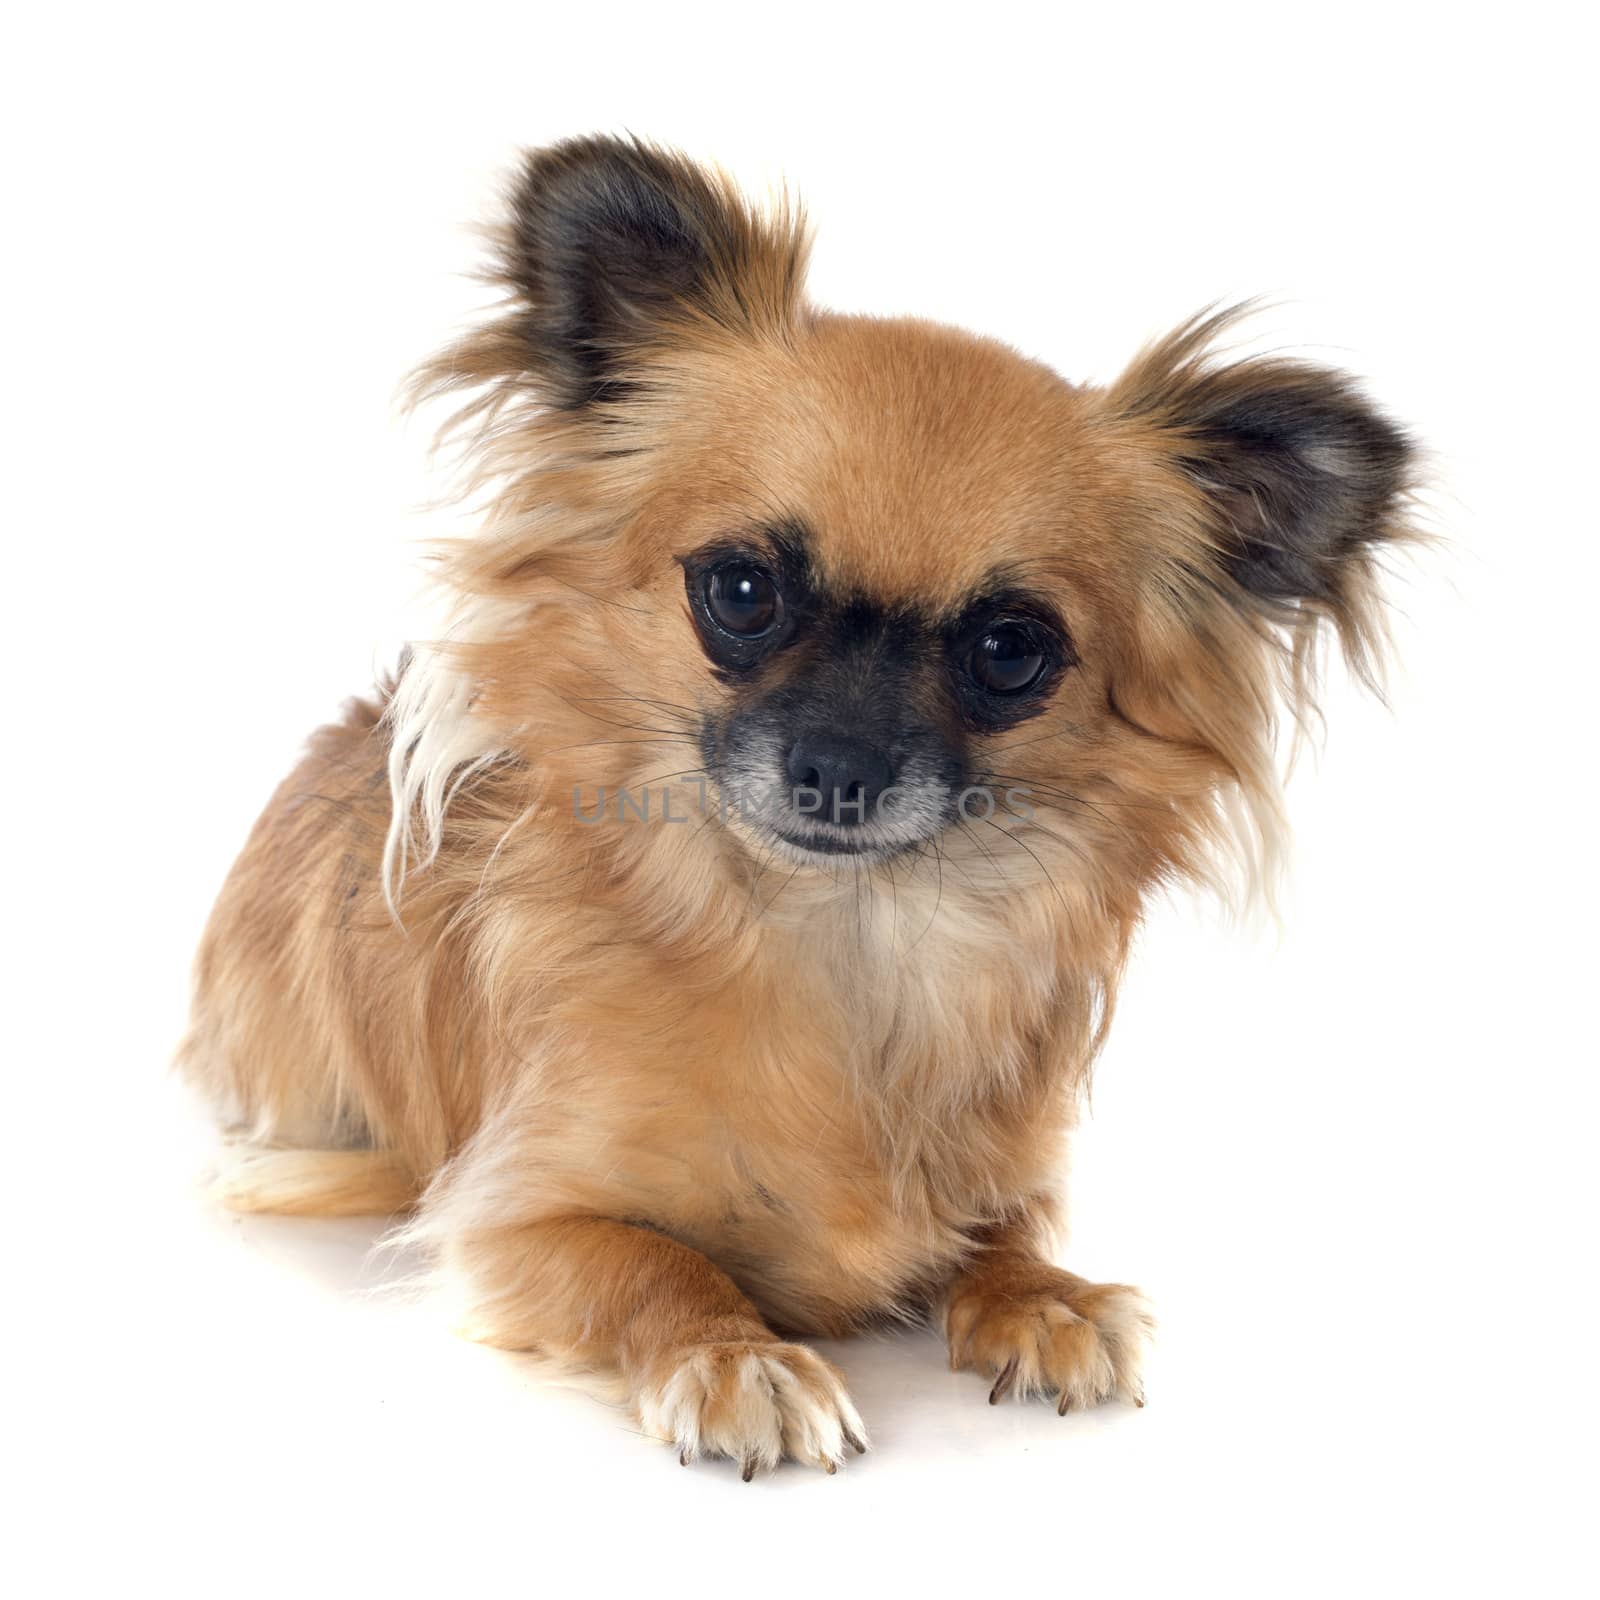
(706, 940)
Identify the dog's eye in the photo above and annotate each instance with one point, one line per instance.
(743, 601)
(1007, 659)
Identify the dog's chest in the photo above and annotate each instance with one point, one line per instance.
(830, 1129)
(829, 1203)
(822, 1244)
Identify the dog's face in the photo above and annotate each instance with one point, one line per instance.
(897, 586)
(881, 588)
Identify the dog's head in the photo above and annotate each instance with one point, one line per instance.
(892, 589)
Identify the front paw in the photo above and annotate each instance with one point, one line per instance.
(757, 1402)
(1039, 1330)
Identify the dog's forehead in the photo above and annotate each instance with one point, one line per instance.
(919, 460)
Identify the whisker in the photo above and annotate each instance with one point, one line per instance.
(938, 899)
(1022, 744)
(601, 744)
(994, 860)
(640, 699)
(1061, 801)
(1050, 833)
(781, 887)
(1048, 781)
(1049, 877)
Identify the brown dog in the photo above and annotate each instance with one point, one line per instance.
(711, 937)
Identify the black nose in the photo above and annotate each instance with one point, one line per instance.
(849, 774)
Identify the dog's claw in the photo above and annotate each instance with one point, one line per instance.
(854, 1443)
(830, 1467)
(1002, 1384)
(683, 1458)
(749, 1469)
(1066, 1404)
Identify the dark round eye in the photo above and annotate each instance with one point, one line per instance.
(1007, 659)
(743, 600)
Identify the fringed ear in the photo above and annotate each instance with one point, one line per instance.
(1262, 495)
(613, 243)
(1303, 482)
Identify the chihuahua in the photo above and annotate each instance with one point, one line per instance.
(706, 939)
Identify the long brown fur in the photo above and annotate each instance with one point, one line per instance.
(660, 1099)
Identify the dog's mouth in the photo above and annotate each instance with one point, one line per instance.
(813, 834)
(819, 847)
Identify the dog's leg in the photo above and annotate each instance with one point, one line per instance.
(702, 1369)
(1036, 1329)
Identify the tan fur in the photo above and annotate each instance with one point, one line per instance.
(311, 1183)
(662, 1097)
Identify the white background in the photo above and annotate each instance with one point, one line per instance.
(1351, 1164)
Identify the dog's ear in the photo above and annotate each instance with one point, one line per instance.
(614, 244)
(1301, 480)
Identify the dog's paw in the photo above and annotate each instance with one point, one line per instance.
(1039, 1330)
(757, 1402)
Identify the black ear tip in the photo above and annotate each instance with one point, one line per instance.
(596, 175)
(604, 233)
(614, 244)
(592, 155)
(617, 200)
(1305, 474)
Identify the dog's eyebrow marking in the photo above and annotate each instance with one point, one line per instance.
(790, 544)
(1003, 587)
(791, 541)
(785, 541)
(1009, 599)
